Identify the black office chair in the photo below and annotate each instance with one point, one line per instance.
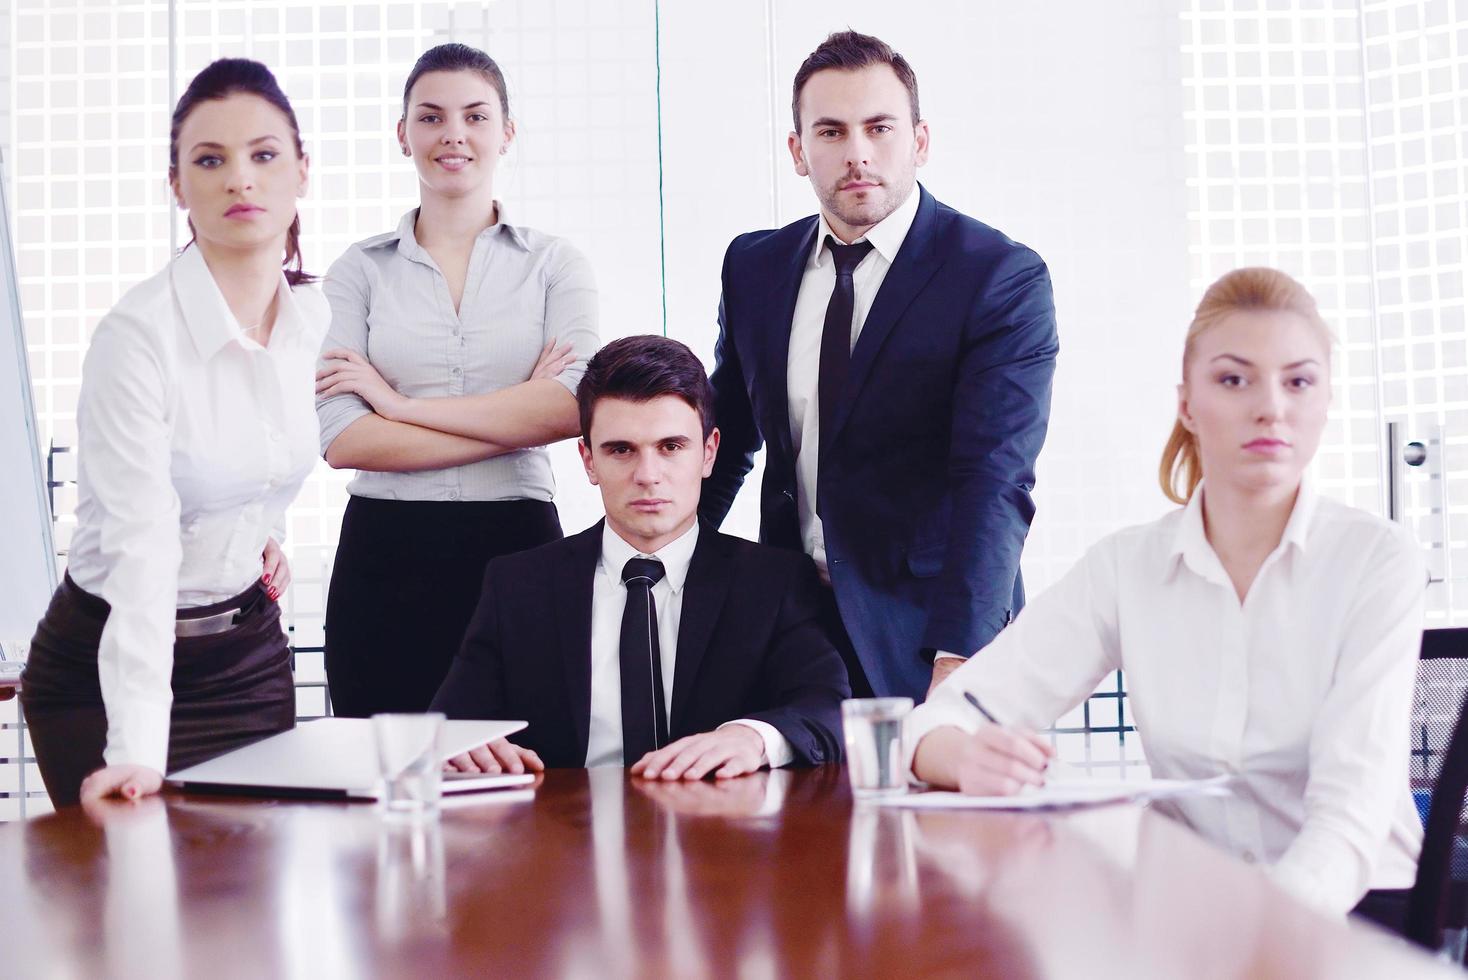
(1437, 908)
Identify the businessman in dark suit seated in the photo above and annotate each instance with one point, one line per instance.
(894, 356)
(649, 639)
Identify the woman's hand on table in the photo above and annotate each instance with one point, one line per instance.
(125, 781)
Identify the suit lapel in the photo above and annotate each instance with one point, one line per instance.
(574, 581)
(704, 592)
(785, 274)
(916, 263)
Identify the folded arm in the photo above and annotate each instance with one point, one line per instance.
(371, 442)
(532, 413)
(445, 432)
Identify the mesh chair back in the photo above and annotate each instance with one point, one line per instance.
(1439, 769)
(1442, 679)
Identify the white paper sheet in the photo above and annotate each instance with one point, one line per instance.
(1065, 794)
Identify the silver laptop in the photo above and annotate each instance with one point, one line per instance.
(327, 757)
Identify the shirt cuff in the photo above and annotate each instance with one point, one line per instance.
(938, 712)
(1322, 869)
(777, 750)
(945, 655)
(140, 738)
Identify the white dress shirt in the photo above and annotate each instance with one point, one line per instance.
(391, 304)
(608, 600)
(803, 368)
(1303, 691)
(192, 440)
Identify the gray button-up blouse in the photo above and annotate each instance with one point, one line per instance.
(390, 303)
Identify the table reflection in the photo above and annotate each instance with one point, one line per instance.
(777, 874)
(140, 919)
(881, 861)
(411, 897)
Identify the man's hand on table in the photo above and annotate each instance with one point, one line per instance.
(725, 752)
(499, 756)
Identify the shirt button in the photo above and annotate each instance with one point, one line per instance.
(458, 371)
(454, 494)
(275, 435)
(456, 331)
(1250, 857)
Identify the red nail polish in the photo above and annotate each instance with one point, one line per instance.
(265, 579)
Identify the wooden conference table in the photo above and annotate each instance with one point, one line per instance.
(597, 875)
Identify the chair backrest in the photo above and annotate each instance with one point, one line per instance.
(1439, 774)
(1442, 679)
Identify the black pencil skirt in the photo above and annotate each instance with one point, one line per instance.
(229, 689)
(405, 583)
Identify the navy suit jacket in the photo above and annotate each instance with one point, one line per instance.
(750, 645)
(923, 487)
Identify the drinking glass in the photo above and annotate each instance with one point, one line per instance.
(408, 761)
(873, 732)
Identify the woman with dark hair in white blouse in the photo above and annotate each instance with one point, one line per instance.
(456, 344)
(1267, 633)
(163, 646)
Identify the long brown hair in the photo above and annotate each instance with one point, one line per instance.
(1256, 288)
(224, 78)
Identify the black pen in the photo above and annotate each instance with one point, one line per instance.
(969, 697)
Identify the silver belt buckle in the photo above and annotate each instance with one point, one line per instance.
(205, 625)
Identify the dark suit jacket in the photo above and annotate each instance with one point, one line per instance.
(924, 483)
(749, 646)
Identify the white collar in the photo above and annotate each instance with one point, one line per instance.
(1190, 542)
(676, 555)
(207, 316)
(886, 235)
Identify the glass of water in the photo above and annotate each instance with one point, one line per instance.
(873, 730)
(408, 761)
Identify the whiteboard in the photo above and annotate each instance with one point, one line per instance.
(27, 555)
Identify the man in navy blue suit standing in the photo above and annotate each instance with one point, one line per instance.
(896, 358)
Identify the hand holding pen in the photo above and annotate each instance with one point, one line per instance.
(994, 761)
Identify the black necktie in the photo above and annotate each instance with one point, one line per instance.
(836, 337)
(644, 715)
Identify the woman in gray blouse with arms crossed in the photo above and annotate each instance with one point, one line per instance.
(455, 348)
